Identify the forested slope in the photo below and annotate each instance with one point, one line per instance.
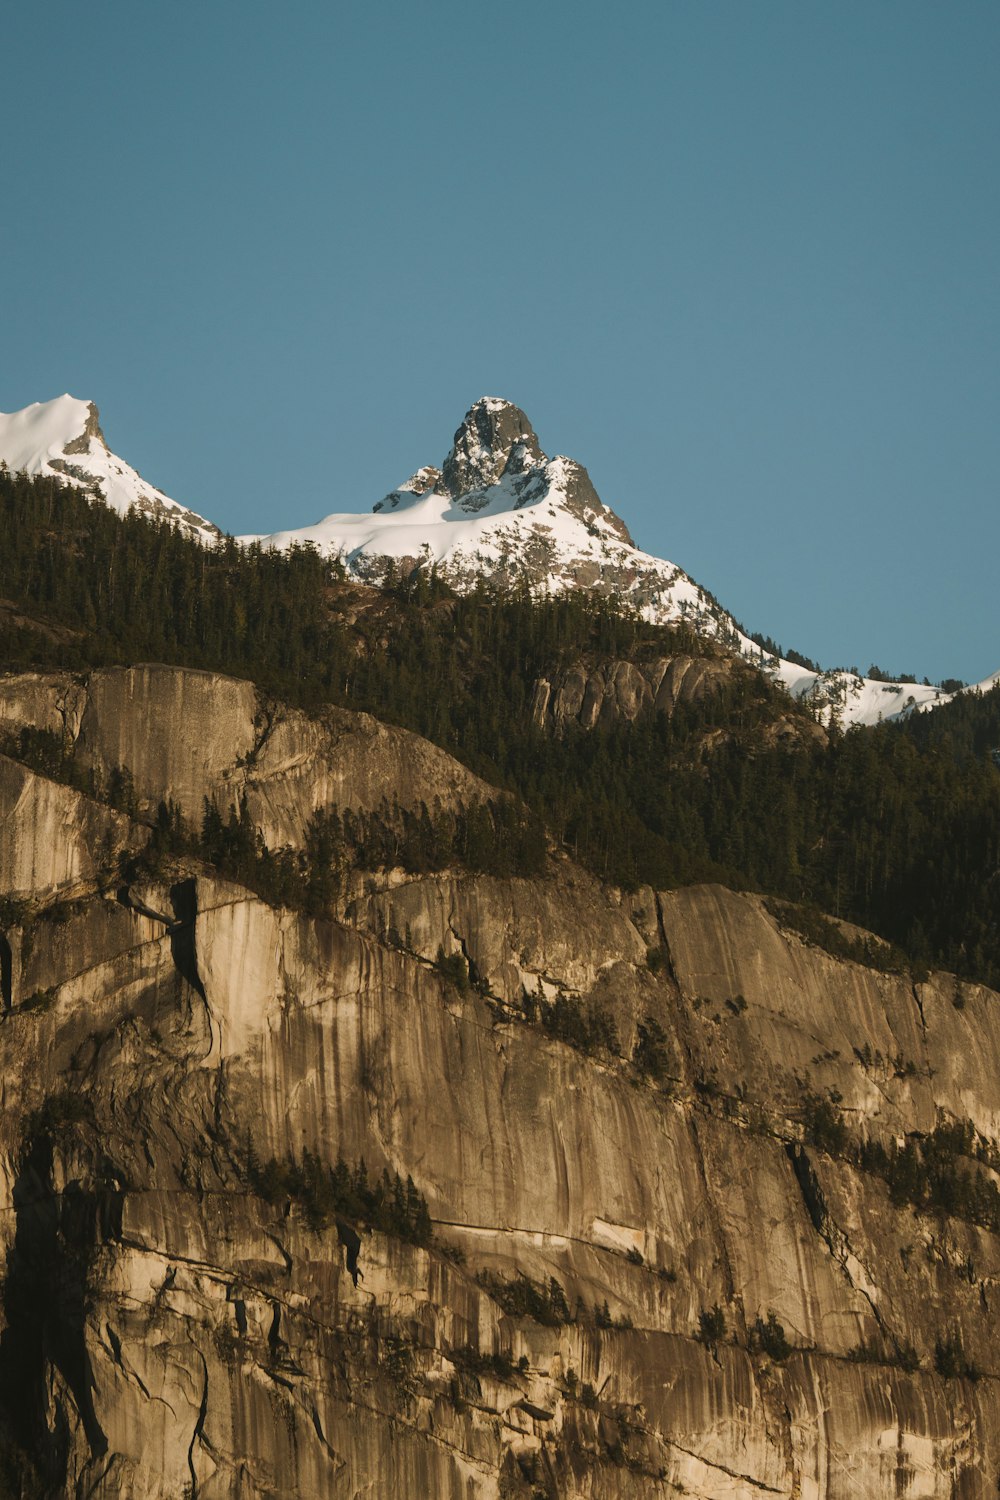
(896, 828)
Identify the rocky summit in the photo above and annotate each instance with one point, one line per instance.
(325, 1174)
(495, 439)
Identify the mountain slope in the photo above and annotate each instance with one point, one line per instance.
(499, 509)
(63, 437)
(656, 756)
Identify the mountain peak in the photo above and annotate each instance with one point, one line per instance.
(63, 438)
(495, 439)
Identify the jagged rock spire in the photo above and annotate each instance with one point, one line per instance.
(495, 438)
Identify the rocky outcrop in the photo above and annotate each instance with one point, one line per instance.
(172, 1325)
(53, 841)
(186, 736)
(53, 702)
(495, 438)
(91, 429)
(615, 690)
(599, 694)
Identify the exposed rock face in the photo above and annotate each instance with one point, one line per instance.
(52, 840)
(615, 690)
(495, 438)
(91, 429)
(583, 501)
(597, 695)
(496, 441)
(188, 736)
(167, 1331)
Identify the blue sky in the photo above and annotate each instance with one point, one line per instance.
(739, 257)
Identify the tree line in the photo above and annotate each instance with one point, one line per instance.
(896, 828)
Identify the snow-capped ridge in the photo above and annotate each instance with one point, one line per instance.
(64, 439)
(499, 508)
(847, 698)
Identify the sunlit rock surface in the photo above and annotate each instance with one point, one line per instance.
(169, 1333)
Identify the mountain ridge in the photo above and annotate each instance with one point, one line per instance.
(410, 1091)
(498, 509)
(64, 438)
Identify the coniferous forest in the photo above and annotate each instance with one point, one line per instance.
(896, 828)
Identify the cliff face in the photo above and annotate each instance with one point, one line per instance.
(597, 695)
(601, 694)
(607, 1095)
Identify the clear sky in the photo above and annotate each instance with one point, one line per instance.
(739, 257)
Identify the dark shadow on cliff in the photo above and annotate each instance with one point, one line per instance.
(45, 1296)
(184, 900)
(6, 974)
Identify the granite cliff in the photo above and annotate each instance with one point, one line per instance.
(667, 1183)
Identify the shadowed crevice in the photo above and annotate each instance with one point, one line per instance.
(6, 974)
(45, 1298)
(184, 901)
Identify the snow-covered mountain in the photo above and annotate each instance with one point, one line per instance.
(63, 438)
(498, 508)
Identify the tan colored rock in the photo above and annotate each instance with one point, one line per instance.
(172, 1332)
(181, 734)
(351, 760)
(923, 1062)
(187, 736)
(617, 690)
(53, 702)
(53, 841)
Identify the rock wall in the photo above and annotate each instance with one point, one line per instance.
(53, 841)
(169, 1329)
(186, 736)
(609, 691)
